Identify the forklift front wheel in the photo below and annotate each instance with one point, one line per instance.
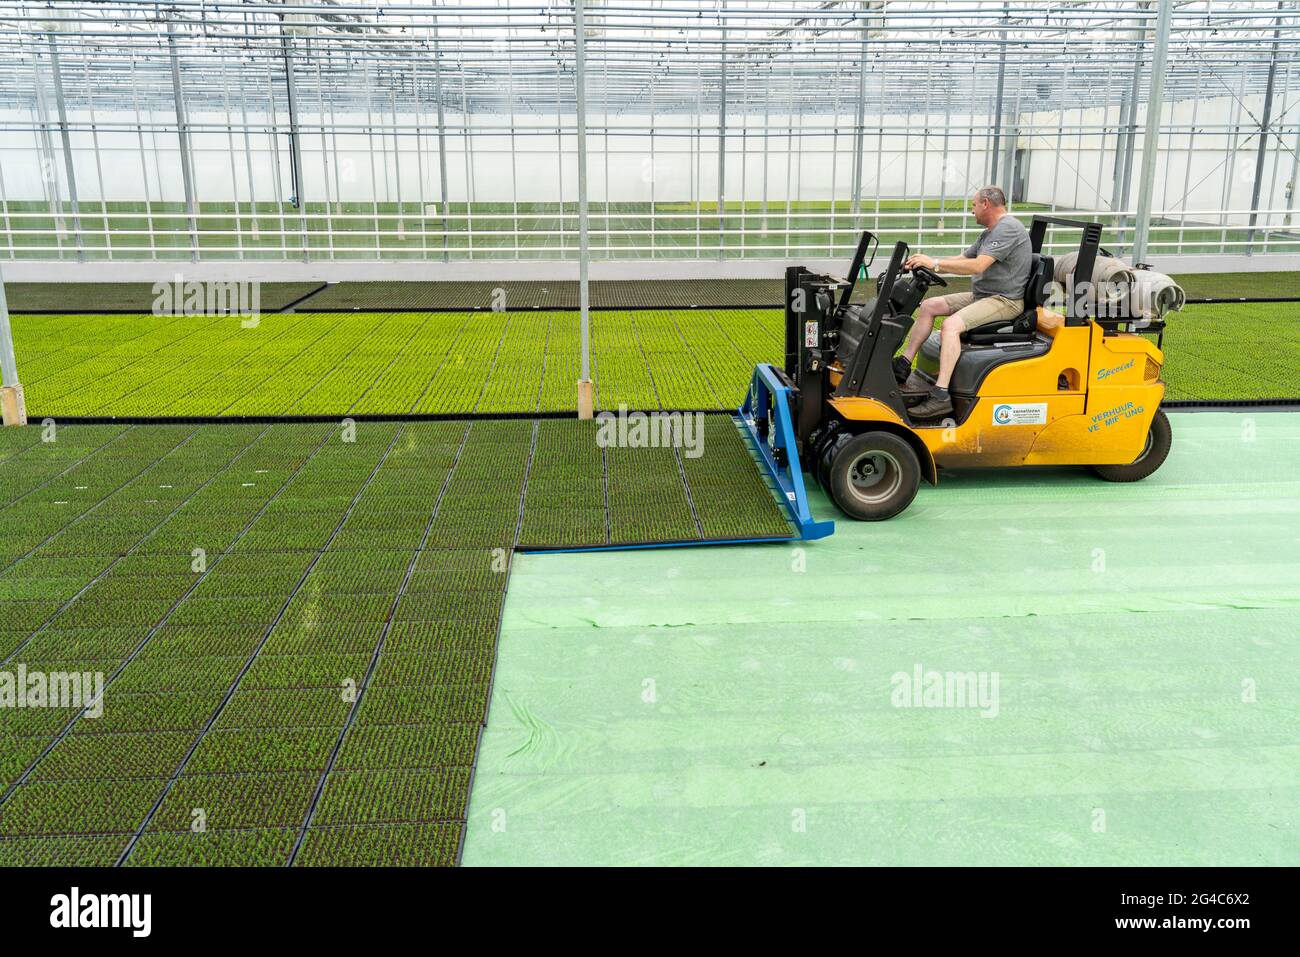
(874, 476)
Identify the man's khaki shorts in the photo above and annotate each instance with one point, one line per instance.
(981, 312)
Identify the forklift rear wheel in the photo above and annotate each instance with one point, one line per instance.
(874, 476)
(1159, 438)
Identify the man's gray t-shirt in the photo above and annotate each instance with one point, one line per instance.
(1008, 243)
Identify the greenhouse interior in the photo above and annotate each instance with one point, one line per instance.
(649, 432)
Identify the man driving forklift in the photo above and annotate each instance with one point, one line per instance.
(998, 263)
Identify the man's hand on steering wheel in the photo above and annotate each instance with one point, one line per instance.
(924, 266)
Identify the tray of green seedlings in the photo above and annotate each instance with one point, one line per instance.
(731, 497)
(472, 666)
(80, 758)
(563, 363)
(421, 795)
(625, 377)
(54, 807)
(678, 381)
(722, 367)
(405, 380)
(263, 750)
(327, 670)
(565, 505)
(374, 747)
(321, 375)
(423, 704)
(86, 850)
(237, 801)
(254, 847)
(518, 366)
(323, 638)
(388, 845)
(18, 752)
(213, 639)
(285, 708)
(459, 381)
(192, 675)
(153, 711)
(647, 497)
(339, 389)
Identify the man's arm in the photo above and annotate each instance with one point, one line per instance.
(954, 265)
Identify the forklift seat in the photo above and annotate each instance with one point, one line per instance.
(977, 361)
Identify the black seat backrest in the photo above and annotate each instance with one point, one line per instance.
(1038, 289)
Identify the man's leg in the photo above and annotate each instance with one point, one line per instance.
(981, 312)
(949, 349)
(931, 309)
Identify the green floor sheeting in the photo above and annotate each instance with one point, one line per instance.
(740, 705)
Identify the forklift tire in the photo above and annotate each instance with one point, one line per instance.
(874, 476)
(823, 464)
(1159, 438)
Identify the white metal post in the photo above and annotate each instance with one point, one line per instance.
(1150, 139)
(183, 142)
(60, 105)
(585, 404)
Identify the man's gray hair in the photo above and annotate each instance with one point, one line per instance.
(993, 194)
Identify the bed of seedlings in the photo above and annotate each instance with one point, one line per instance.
(291, 628)
(508, 362)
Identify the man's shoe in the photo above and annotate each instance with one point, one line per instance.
(902, 368)
(935, 407)
(916, 385)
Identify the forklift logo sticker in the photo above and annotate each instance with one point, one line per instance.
(810, 333)
(1023, 413)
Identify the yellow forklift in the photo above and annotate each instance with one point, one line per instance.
(1076, 387)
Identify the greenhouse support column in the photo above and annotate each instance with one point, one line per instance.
(66, 139)
(1150, 139)
(997, 104)
(722, 137)
(183, 138)
(11, 392)
(585, 405)
(1127, 137)
(1265, 119)
(295, 146)
(859, 133)
(442, 146)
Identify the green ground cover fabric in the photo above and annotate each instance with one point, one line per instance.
(736, 706)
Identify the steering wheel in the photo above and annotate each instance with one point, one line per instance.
(929, 275)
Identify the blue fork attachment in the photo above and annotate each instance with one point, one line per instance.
(768, 421)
